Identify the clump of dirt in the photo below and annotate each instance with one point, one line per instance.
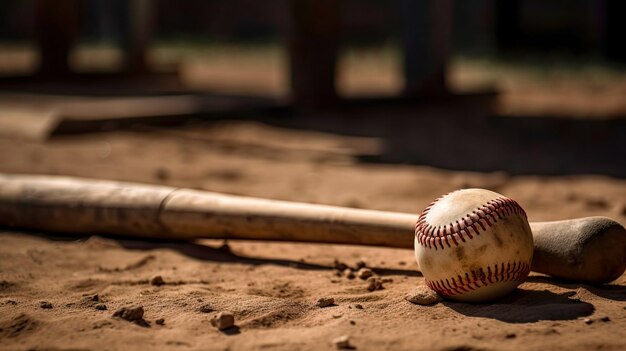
(342, 342)
(422, 295)
(223, 320)
(374, 283)
(325, 302)
(364, 273)
(132, 314)
(157, 280)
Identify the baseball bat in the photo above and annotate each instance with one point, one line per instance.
(588, 250)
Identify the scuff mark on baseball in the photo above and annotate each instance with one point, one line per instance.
(473, 245)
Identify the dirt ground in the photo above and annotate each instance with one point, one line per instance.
(61, 293)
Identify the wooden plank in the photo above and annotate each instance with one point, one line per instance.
(27, 123)
(37, 117)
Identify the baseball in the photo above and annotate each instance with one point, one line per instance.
(473, 245)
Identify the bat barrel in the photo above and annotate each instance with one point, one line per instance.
(73, 205)
(204, 214)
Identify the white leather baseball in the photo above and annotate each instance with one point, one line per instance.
(473, 245)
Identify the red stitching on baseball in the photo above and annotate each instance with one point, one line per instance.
(478, 220)
(518, 272)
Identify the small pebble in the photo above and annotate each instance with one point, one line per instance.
(325, 302)
(352, 322)
(422, 295)
(348, 273)
(223, 320)
(160, 321)
(157, 280)
(130, 314)
(605, 319)
(364, 273)
(45, 305)
(339, 315)
(340, 266)
(511, 336)
(101, 307)
(374, 283)
(342, 342)
(588, 321)
(95, 298)
(358, 306)
(360, 264)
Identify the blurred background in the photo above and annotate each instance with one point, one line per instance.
(516, 86)
(371, 104)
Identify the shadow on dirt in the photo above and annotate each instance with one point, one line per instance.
(222, 254)
(528, 306)
(606, 291)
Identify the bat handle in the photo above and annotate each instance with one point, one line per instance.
(587, 250)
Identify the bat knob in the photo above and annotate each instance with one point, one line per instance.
(588, 250)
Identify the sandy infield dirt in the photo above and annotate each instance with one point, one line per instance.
(60, 293)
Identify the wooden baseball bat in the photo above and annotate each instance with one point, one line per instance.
(589, 250)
